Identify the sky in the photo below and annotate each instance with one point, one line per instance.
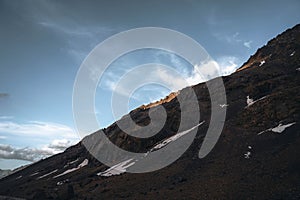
(43, 43)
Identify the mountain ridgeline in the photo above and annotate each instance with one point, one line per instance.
(256, 156)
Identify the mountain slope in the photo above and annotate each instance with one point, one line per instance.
(7, 172)
(256, 157)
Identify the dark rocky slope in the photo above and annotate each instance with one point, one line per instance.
(270, 171)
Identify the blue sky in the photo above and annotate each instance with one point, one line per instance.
(43, 43)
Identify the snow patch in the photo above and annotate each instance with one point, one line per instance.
(223, 105)
(34, 173)
(250, 102)
(84, 163)
(173, 138)
(278, 129)
(59, 183)
(71, 162)
(19, 177)
(292, 54)
(66, 172)
(62, 182)
(47, 174)
(122, 166)
(262, 62)
(118, 168)
(247, 155)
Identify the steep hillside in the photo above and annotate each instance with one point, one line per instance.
(256, 157)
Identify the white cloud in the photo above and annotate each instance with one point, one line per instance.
(228, 64)
(33, 154)
(2, 137)
(9, 152)
(164, 76)
(204, 72)
(57, 146)
(61, 136)
(248, 44)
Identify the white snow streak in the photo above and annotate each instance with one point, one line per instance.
(278, 129)
(71, 162)
(118, 168)
(47, 174)
(250, 102)
(19, 177)
(34, 173)
(122, 166)
(262, 62)
(173, 138)
(292, 54)
(223, 105)
(84, 163)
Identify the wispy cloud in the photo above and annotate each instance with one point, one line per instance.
(174, 60)
(232, 38)
(6, 117)
(248, 44)
(229, 38)
(37, 128)
(182, 74)
(80, 39)
(75, 30)
(219, 29)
